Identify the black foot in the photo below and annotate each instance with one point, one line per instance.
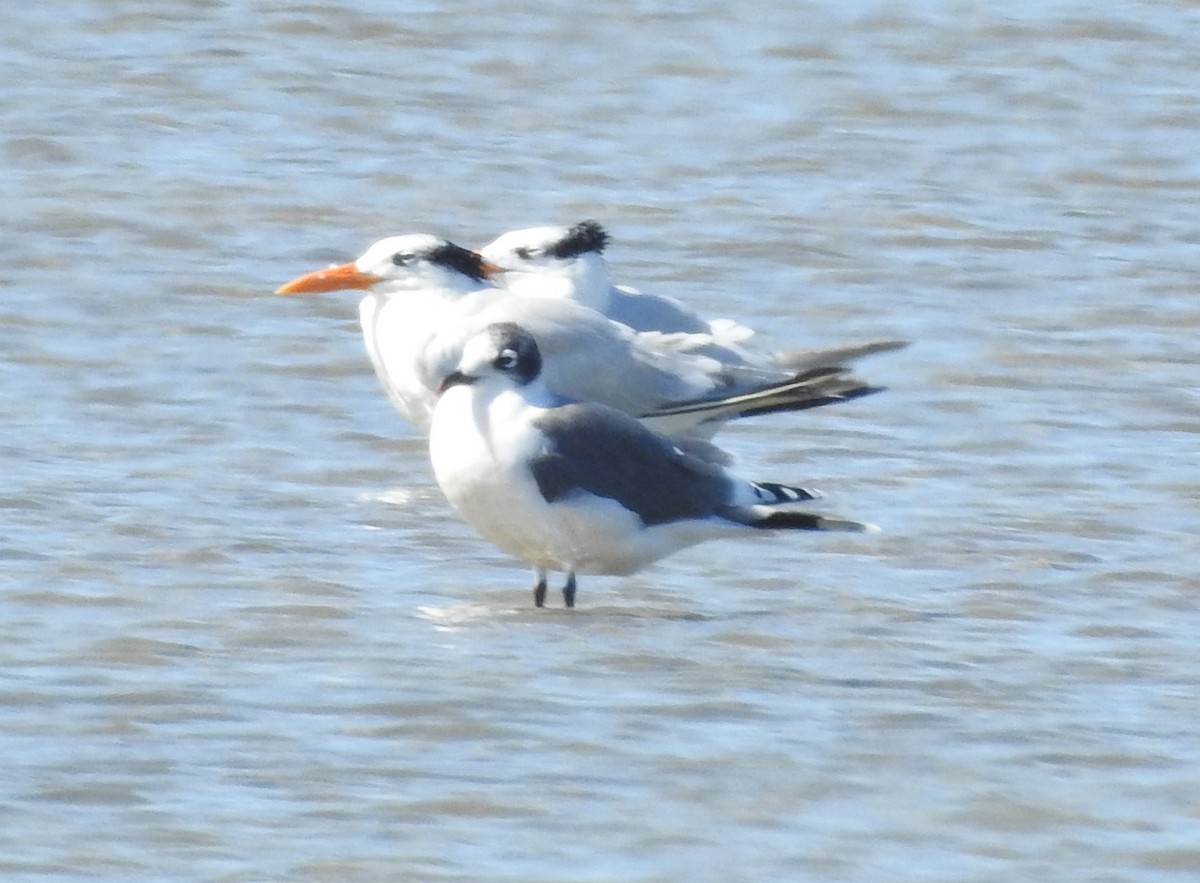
(569, 590)
(539, 593)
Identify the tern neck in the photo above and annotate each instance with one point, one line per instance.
(583, 279)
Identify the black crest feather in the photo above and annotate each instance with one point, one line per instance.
(458, 258)
(583, 237)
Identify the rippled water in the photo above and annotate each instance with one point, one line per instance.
(242, 636)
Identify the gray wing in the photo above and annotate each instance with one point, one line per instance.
(601, 451)
(645, 312)
(586, 357)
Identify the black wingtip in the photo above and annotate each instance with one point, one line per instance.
(809, 521)
(815, 402)
(773, 493)
(811, 388)
(790, 521)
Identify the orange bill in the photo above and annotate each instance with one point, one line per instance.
(338, 278)
(489, 269)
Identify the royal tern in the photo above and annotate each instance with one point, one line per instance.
(426, 297)
(413, 282)
(568, 263)
(581, 487)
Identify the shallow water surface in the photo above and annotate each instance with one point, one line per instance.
(243, 638)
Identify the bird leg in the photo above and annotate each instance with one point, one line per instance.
(539, 588)
(569, 589)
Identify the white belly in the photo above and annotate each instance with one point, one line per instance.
(487, 483)
(492, 488)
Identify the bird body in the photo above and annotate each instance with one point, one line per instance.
(488, 457)
(581, 487)
(426, 297)
(568, 263)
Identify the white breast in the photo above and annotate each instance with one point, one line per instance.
(480, 452)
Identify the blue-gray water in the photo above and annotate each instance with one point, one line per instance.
(243, 639)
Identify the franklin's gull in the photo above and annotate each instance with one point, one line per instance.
(582, 487)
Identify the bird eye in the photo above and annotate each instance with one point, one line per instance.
(402, 258)
(507, 359)
(524, 253)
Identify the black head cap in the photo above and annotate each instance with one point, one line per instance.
(460, 259)
(583, 237)
(517, 352)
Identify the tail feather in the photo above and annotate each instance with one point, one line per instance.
(800, 360)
